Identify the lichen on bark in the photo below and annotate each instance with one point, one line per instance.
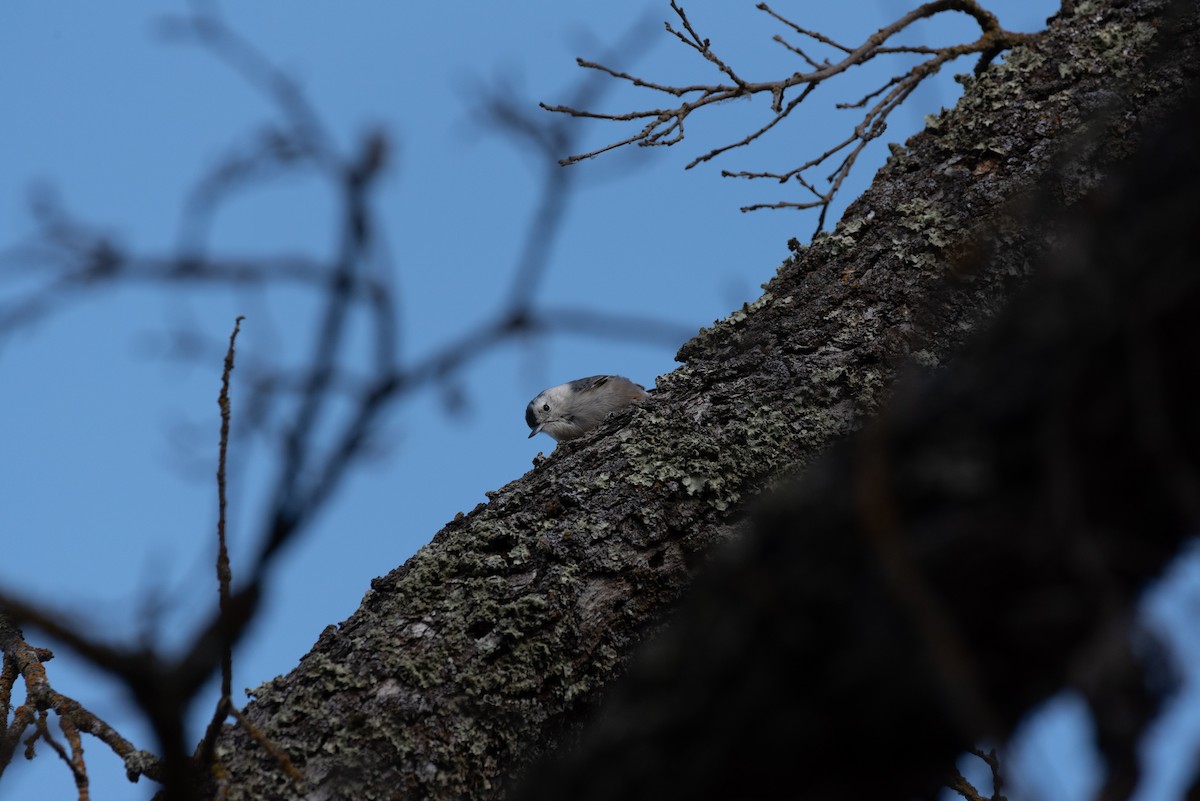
(496, 639)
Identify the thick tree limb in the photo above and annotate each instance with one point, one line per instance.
(979, 547)
(494, 640)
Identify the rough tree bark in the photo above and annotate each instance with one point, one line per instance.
(496, 640)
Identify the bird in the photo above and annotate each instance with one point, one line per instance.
(572, 409)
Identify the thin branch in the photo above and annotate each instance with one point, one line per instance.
(817, 35)
(74, 759)
(993, 763)
(793, 48)
(751, 137)
(206, 26)
(959, 783)
(700, 45)
(224, 573)
(664, 126)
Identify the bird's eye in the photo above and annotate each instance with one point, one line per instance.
(545, 407)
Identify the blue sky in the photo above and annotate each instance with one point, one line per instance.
(109, 505)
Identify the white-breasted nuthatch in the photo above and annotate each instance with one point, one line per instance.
(576, 407)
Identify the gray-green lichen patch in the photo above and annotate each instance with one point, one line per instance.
(1112, 48)
(747, 309)
(927, 219)
(838, 243)
(717, 465)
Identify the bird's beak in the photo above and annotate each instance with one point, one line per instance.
(537, 430)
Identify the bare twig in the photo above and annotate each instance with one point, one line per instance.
(224, 573)
(74, 759)
(306, 131)
(664, 126)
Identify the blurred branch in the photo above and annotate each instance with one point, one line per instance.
(546, 138)
(319, 415)
(664, 126)
(304, 129)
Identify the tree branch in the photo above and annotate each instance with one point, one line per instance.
(665, 125)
